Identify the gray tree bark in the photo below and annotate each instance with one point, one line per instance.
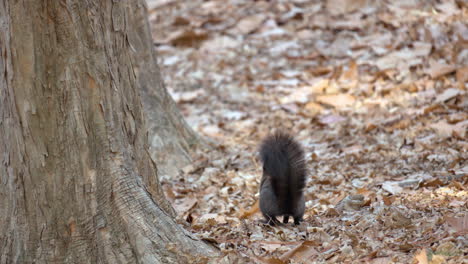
(77, 183)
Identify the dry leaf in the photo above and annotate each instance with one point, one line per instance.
(320, 86)
(446, 248)
(392, 187)
(300, 95)
(337, 100)
(269, 260)
(186, 38)
(459, 224)
(249, 24)
(313, 109)
(182, 206)
(188, 96)
(219, 44)
(351, 203)
(462, 77)
(382, 260)
(331, 119)
(446, 130)
(447, 95)
(302, 253)
(438, 259)
(247, 213)
(338, 7)
(421, 257)
(440, 69)
(218, 219)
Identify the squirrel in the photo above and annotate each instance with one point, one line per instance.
(283, 179)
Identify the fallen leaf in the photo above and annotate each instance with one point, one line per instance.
(421, 257)
(270, 247)
(399, 220)
(400, 59)
(337, 100)
(186, 38)
(249, 24)
(247, 213)
(186, 97)
(437, 259)
(320, 86)
(300, 95)
(184, 205)
(331, 119)
(303, 252)
(462, 77)
(338, 7)
(447, 248)
(382, 260)
(351, 203)
(313, 109)
(352, 73)
(446, 130)
(437, 69)
(447, 95)
(219, 43)
(459, 224)
(392, 187)
(450, 8)
(269, 260)
(219, 219)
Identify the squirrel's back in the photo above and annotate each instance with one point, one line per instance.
(284, 172)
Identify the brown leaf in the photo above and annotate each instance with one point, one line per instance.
(447, 248)
(337, 100)
(446, 130)
(249, 24)
(269, 260)
(438, 259)
(388, 200)
(459, 224)
(313, 109)
(212, 219)
(398, 219)
(338, 7)
(462, 77)
(184, 205)
(434, 182)
(303, 252)
(437, 69)
(382, 260)
(421, 257)
(186, 38)
(352, 72)
(243, 213)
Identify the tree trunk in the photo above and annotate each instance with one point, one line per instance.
(170, 138)
(77, 183)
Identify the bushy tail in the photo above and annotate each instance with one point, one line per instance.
(283, 162)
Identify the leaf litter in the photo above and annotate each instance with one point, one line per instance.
(376, 91)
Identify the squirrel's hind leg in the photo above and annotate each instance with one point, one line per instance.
(297, 220)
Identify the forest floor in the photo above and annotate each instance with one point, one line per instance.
(375, 91)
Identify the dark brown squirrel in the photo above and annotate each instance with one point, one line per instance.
(283, 180)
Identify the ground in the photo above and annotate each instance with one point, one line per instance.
(375, 91)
